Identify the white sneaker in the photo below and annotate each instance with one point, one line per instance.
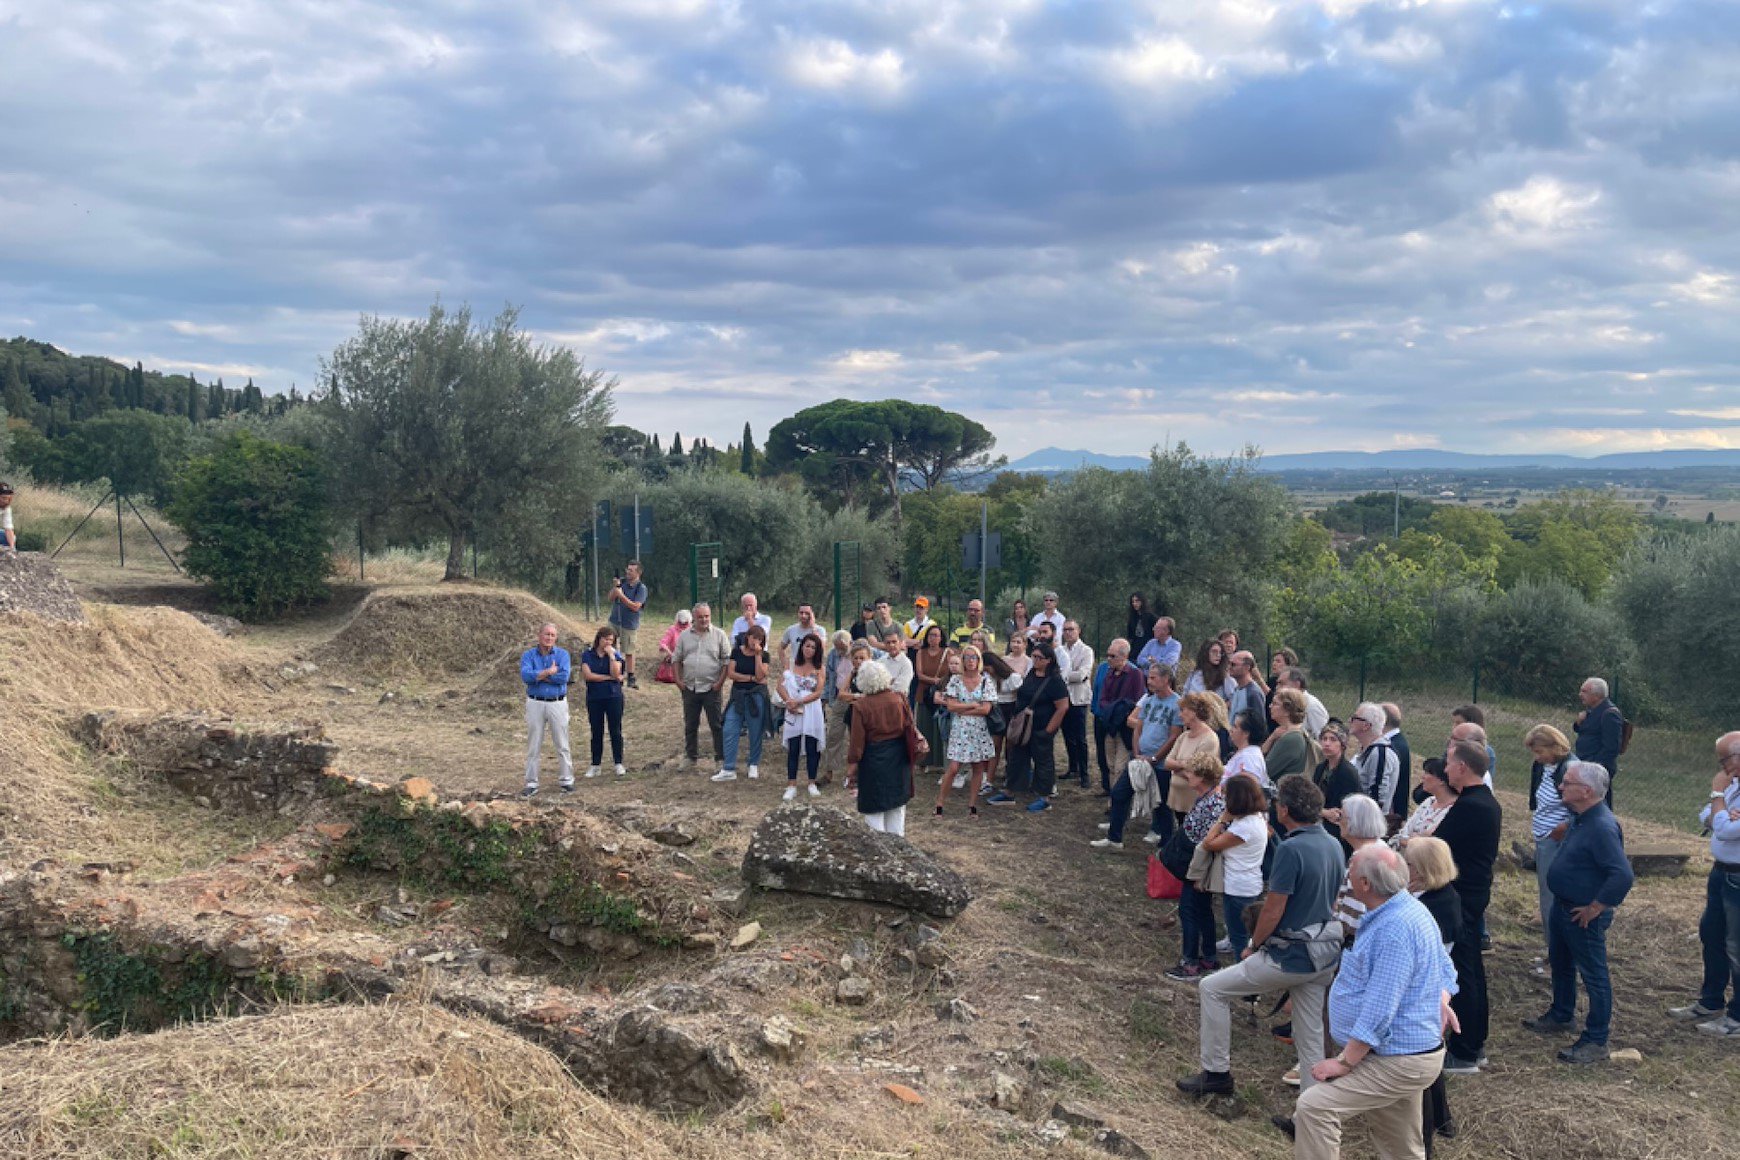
(754, 772)
(724, 775)
(1291, 1077)
(621, 772)
(960, 781)
(815, 790)
(1726, 1027)
(1105, 827)
(592, 771)
(1152, 839)
(1694, 1013)
(1106, 844)
(1224, 946)
(790, 794)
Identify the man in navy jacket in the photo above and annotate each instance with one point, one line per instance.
(1600, 730)
(1590, 876)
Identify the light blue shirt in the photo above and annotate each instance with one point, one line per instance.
(1159, 715)
(1167, 654)
(533, 662)
(1724, 831)
(1388, 991)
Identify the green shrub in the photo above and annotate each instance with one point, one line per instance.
(1542, 639)
(258, 524)
(1676, 596)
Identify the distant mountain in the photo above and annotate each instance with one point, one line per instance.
(1056, 461)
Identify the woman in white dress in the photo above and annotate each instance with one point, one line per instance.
(969, 698)
(805, 726)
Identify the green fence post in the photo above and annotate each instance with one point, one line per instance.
(836, 585)
(1362, 677)
(1475, 697)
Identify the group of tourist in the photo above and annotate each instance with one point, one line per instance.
(1341, 876)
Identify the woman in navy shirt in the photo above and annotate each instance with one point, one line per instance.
(601, 665)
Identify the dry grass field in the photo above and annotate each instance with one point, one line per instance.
(1061, 953)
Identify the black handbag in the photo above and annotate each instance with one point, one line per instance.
(1176, 852)
(995, 723)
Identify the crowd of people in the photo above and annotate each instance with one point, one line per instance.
(1311, 858)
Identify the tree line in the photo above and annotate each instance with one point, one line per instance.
(464, 434)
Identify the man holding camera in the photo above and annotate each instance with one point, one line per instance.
(627, 598)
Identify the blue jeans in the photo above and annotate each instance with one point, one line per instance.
(1574, 951)
(1196, 919)
(744, 715)
(1233, 906)
(1719, 934)
(1123, 796)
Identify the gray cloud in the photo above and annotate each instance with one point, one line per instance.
(1335, 223)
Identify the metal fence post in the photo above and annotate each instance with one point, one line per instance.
(1362, 677)
(1475, 694)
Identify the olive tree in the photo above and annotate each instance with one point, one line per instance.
(453, 426)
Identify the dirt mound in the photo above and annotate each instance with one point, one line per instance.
(144, 659)
(439, 631)
(401, 1079)
(29, 582)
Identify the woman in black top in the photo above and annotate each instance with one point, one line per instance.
(1033, 764)
(1140, 623)
(1335, 775)
(747, 710)
(601, 665)
(1431, 870)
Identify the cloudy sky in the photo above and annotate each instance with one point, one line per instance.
(1308, 225)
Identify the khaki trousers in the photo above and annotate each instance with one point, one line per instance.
(1385, 1089)
(1255, 976)
(554, 715)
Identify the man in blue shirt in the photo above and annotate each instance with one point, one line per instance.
(545, 670)
(1719, 928)
(1164, 649)
(1157, 727)
(1590, 875)
(1388, 1006)
(627, 598)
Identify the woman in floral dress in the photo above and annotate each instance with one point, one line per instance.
(969, 698)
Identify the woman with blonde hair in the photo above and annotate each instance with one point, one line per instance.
(1549, 817)
(1195, 904)
(969, 698)
(1202, 715)
(1288, 749)
(1431, 870)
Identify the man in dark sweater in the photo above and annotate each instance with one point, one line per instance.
(1471, 829)
(1600, 730)
(1590, 876)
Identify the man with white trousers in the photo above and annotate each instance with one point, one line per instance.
(545, 670)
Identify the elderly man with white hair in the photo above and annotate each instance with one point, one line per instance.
(545, 669)
(1380, 767)
(1719, 928)
(1590, 876)
(751, 615)
(1388, 1007)
(1600, 730)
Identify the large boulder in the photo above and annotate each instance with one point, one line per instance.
(817, 850)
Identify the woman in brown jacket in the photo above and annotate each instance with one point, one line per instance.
(878, 759)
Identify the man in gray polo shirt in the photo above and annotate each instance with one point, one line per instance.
(1295, 945)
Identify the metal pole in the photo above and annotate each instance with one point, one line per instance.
(1362, 677)
(120, 540)
(593, 603)
(637, 525)
(1476, 692)
(984, 546)
(81, 526)
(474, 555)
(359, 553)
(153, 533)
(837, 592)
